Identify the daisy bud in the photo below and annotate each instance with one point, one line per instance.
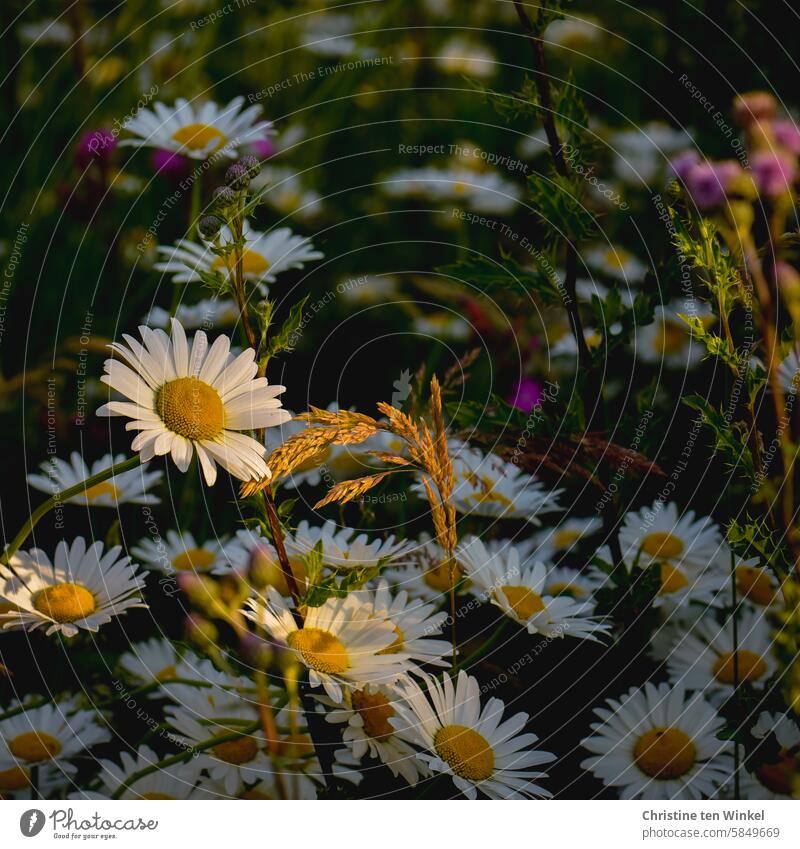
(257, 650)
(237, 177)
(208, 227)
(223, 197)
(262, 570)
(252, 165)
(201, 631)
(754, 106)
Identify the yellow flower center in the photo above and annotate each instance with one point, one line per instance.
(198, 559)
(65, 602)
(438, 578)
(101, 489)
(320, 649)
(615, 258)
(252, 262)
(191, 408)
(155, 796)
(375, 710)
(672, 338)
(15, 778)
(199, 137)
(242, 750)
(672, 579)
(34, 746)
(397, 645)
(297, 745)
(664, 753)
(564, 538)
(484, 490)
(166, 674)
(523, 601)
(751, 666)
(564, 588)
(755, 584)
(465, 751)
(460, 188)
(662, 545)
(777, 776)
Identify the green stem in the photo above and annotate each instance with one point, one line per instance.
(63, 498)
(182, 756)
(484, 649)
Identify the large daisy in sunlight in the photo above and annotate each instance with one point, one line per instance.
(198, 130)
(265, 256)
(84, 588)
(659, 743)
(474, 745)
(340, 643)
(186, 399)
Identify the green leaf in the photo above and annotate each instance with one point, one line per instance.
(490, 275)
(558, 201)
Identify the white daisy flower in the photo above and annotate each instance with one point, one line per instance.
(642, 154)
(341, 551)
(576, 33)
(427, 575)
(205, 314)
(566, 345)
(198, 131)
(83, 589)
(667, 339)
(789, 373)
(172, 782)
(264, 257)
(757, 587)
(486, 485)
(519, 592)
(153, 661)
(371, 721)
(201, 689)
(471, 744)
(329, 34)
(180, 552)
(466, 58)
(340, 643)
(47, 736)
(414, 624)
(443, 325)
(284, 191)
(615, 262)
(130, 487)
(659, 743)
(363, 289)
(706, 656)
(658, 534)
(562, 580)
(774, 778)
(185, 400)
(482, 191)
(242, 759)
(555, 543)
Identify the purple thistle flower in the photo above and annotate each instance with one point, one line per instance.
(773, 172)
(526, 395)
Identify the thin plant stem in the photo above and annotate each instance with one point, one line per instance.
(484, 649)
(61, 498)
